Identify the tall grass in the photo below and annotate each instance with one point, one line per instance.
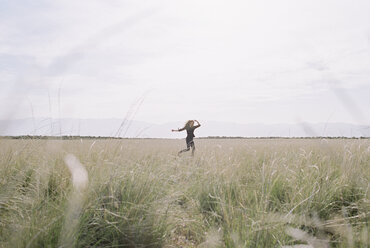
(233, 193)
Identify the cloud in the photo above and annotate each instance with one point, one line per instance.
(195, 55)
(317, 65)
(350, 105)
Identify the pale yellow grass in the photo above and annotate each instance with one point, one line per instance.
(233, 193)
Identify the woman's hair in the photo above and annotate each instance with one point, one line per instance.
(189, 123)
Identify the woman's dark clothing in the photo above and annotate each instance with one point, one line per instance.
(189, 137)
(190, 131)
(189, 142)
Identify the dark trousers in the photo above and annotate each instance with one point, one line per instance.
(189, 143)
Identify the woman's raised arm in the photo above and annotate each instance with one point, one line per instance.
(197, 123)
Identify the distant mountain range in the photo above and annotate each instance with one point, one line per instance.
(139, 129)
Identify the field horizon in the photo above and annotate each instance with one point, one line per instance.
(140, 129)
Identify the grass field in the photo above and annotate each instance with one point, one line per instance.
(233, 193)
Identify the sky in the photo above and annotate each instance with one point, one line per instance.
(159, 61)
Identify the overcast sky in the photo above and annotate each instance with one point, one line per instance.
(239, 61)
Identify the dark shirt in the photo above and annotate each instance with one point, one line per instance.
(190, 131)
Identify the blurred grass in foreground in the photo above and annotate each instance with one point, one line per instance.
(233, 193)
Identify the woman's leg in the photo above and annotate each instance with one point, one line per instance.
(184, 150)
(188, 144)
(192, 147)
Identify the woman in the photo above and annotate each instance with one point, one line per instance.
(189, 127)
